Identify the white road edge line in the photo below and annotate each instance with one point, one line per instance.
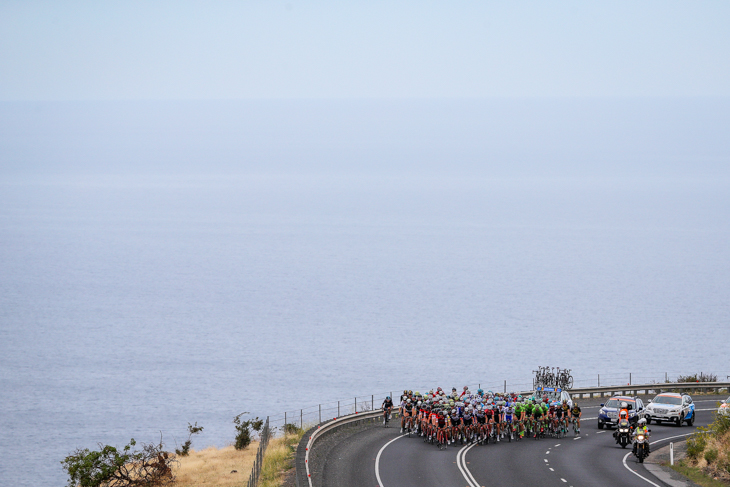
(377, 459)
(651, 443)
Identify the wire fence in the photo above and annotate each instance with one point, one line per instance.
(253, 480)
(326, 411)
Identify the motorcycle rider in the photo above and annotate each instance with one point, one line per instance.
(642, 429)
(623, 422)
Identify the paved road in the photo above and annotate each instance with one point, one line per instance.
(593, 459)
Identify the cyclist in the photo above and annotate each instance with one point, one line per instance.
(496, 420)
(468, 421)
(481, 423)
(442, 424)
(456, 424)
(387, 408)
(509, 418)
(537, 415)
(575, 413)
(566, 413)
(558, 422)
(408, 413)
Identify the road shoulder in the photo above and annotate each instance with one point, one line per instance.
(657, 463)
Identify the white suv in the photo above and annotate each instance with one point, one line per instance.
(671, 407)
(724, 408)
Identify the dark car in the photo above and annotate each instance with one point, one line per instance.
(608, 414)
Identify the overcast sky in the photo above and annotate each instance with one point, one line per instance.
(66, 50)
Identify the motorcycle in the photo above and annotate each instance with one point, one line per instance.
(623, 433)
(641, 446)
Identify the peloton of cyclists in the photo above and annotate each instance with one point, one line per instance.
(482, 416)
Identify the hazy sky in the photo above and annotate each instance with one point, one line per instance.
(66, 50)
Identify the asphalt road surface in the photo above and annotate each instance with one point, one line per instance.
(383, 457)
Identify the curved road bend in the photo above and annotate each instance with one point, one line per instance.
(592, 460)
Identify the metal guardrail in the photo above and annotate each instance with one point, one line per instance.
(253, 479)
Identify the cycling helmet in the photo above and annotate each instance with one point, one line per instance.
(419, 403)
(480, 391)
(387, 398)
(408, 401)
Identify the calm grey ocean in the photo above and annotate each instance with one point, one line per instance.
(170, 263)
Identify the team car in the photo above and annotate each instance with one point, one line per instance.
(671, 407)
(608, 414)
(724, 408)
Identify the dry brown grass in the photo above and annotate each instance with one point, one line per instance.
(213, 466)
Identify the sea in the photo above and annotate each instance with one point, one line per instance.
(165, 263)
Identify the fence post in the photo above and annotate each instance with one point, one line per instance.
(301, 418)
(320, 413)
(599, 381)
(338, 409)
(629, 378)
(372, 402)
(356, 404)
(505, 387)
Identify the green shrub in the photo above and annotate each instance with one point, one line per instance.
(696, 445)
(244, 429)
(192, 430)
(711, 455)
(290, 429)
(109, 466)
(720, 426)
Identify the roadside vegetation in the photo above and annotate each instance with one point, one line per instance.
(151, 465)
(708, 452)
(280, 456)
(214, 467)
